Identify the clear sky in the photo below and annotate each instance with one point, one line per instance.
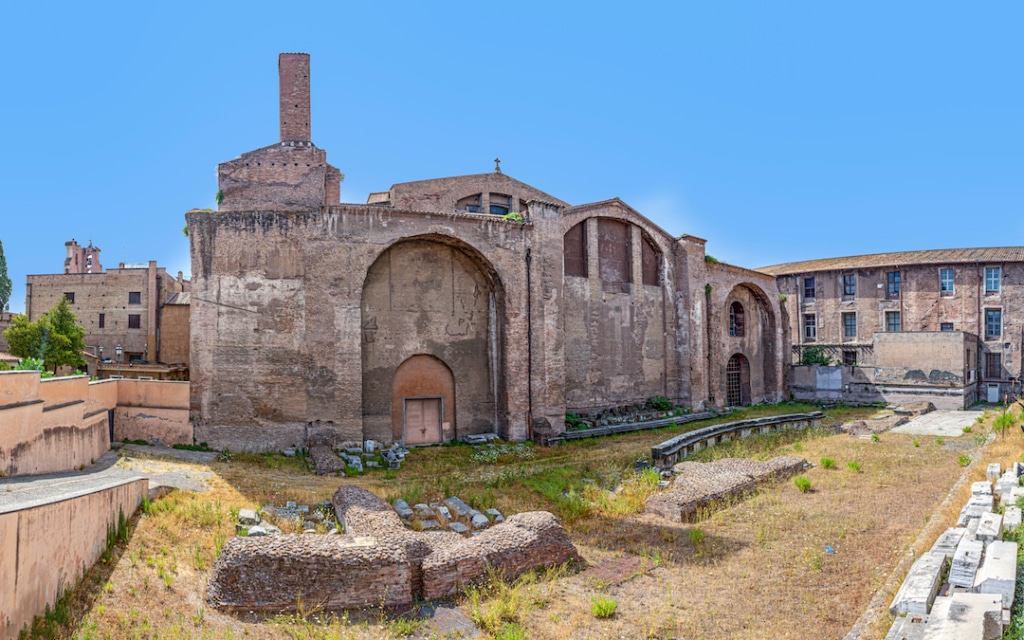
(777, 130)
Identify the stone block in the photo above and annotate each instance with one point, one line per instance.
(402, 509)
(966, 561)
(458, 507)
(998, 573)
(423, 510)
(495, 515)
(248, 517)
(921, 585)
(965, 616)
(458, 527)
(1011, 518)
(993, 471)
(947, 542)
(909, 627)
(989, 527)
(479, 521)
(981, 488)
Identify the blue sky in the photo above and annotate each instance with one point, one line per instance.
(778, 131)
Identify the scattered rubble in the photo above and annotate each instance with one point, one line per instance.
(978, 595)
(454, 514)
(329, 458)
(697, 484)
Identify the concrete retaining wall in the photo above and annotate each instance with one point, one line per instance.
(886, 385)
(44, 549)
(60, 424)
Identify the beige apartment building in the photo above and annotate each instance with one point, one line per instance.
(841, 304)
(123, 311)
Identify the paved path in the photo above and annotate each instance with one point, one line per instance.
(939, 423)
(24, 492)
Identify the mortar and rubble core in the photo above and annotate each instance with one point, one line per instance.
(964, 587)
(696, 485)
(379, 561)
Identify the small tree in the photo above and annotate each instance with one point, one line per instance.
(1004, 421)
(5, 280)
(66, 339)
(25, 339)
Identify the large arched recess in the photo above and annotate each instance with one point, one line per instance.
(437, 296)
(756, 342)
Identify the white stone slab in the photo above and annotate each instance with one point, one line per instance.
(966, 561)
(907, 628)
(920, 586)
(1011, 518)
(989, 527)
(981, 488)
(998, 573)
(947, 542)
(975, 507)
(993, 471)
(1007, 482)
(965, 616)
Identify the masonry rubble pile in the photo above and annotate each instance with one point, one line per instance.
(977, 596)
(379, 561)
(331, 457)
(697, 484)
(453, 514)
(252, 523)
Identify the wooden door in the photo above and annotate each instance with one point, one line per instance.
(422, 420)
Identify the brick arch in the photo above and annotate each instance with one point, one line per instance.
(757, 344)
(434, 296)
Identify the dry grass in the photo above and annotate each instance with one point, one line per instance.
(757, 569)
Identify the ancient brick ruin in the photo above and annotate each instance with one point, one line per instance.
(378, 561)
(450, 307)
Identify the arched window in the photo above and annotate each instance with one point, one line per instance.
(650, 262)
(736, 320)
(470, 204)
(574, 247)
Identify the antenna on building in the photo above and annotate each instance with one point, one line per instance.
(497, 165)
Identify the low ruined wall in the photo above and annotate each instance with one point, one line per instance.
(45, 549)
(60, 424)
(153, 410)
(667, 453)
(880, 385)
(378, 562)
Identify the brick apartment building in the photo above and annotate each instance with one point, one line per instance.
(135, 317)
(840, 304)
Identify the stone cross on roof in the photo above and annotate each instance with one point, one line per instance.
(497, 165)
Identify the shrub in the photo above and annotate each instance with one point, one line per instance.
(917, 443)
(968, 429)
(803, 483)
(963, 460)
(603, 607)
(853, 466)
(510, 631)
(875, 438)
(828, 463)
(815, 355)
(696, 536)
(1004, 421)
(513, 216)
(661, 403)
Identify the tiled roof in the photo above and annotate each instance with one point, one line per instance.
(900, 258)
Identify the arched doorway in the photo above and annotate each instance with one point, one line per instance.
(423, 401)
(737, 381)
